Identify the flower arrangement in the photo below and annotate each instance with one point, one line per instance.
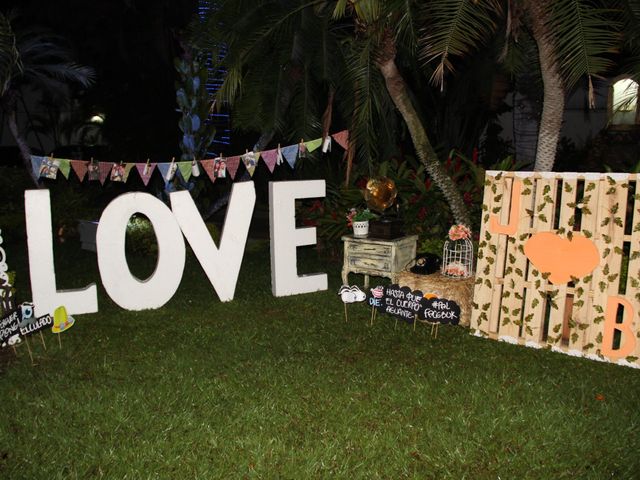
(355, 215)
(459, 232)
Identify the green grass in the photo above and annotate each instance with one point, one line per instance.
(265, 387)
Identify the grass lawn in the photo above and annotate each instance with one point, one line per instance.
(265, 387)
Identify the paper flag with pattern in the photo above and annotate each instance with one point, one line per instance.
(64, 167)
(342, 138)
(145, 171)
(105, 171)
(208, 166)
(290, 154)
(249, 160)
(232, 165)
(270, 157)
(80, 168)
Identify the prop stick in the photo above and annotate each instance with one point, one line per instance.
(374, 314)
(59, 342)
(42, 338)
(26, 339)
(346, 316)
(15, 350)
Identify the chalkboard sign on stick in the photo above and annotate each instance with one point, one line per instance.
(10, 328)
(411, 305)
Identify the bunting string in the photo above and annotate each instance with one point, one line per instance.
(219, 167)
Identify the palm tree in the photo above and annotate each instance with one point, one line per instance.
(39, 60)
(282, 52)
(574, 38)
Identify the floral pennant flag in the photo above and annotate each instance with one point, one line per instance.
(290, 154)
(35, 164)
(64, 167)
(105, 171)
(232, 165)
(249, 160)
(270, 157)
(313, 144)
(145, 170)
(185, 170)
(49, 168)
(342, 138)
(208, 168)
(79, 167)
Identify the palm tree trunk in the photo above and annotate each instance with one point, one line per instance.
(25, 152)
(553, 101)
(397, 89)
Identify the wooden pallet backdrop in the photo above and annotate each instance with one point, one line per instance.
(516, 302)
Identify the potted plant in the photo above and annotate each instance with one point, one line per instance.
(359, 220)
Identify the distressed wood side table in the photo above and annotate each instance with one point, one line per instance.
(377, 257)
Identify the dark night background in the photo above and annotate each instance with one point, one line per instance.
(131, 45)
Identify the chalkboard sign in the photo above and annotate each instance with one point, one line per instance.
(397, 301)
(29, 323)
(9, 327)
(403, 303)
(441, 311)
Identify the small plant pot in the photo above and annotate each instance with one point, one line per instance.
(361, 229)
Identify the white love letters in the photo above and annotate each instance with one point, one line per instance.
(221, 264)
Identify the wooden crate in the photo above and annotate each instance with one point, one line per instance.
(515, 302)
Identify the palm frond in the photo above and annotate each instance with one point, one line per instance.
(9, 56)
(585, 35)
(455, 29)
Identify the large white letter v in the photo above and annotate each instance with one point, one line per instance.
(222, 265)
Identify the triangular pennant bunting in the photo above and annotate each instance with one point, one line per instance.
(80, 168)
(313, 144)
(249, 160)
(342, 138)
(232, 165)
(127, 170)
(269, 157)
(207, 165)
(105, 171)
(145, 170)
(35, 165)
(164, 171)
(185, 170)
(290, 154)
(65, 167)
(48, 167)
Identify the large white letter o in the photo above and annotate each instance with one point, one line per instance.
(124, 288)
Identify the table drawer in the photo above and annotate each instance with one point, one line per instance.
(370, 263)
(369, 249)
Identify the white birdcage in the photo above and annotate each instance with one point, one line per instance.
(457, 254)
